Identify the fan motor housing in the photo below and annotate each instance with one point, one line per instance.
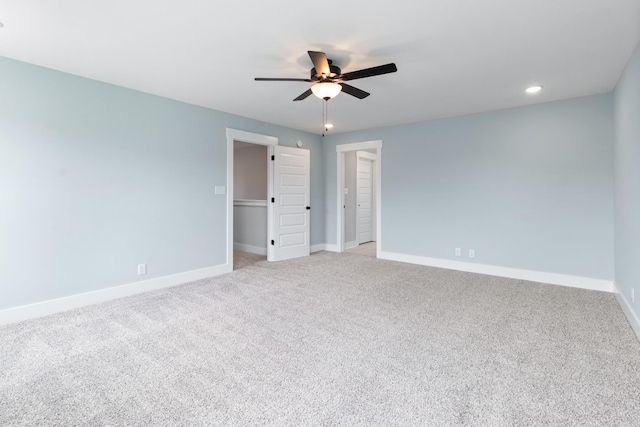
(335, 71)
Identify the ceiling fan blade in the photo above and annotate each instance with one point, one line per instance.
(320, 62)
(303, 95)
(369, 72)
(354, 91)
(269, 79)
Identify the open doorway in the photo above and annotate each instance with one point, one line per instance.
(250, 192)
(288, 195)
(252, 240)
(359, 197)
(360, 202)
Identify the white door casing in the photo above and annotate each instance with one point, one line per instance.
(252, 138)
(364, 198)
(291, 203)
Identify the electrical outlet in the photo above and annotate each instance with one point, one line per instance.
(633, 294)
(458, 252)
(142, 269)
(472, 253)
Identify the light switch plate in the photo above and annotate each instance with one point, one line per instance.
(220, 189)
(346, 191)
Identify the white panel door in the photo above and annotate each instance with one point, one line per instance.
(364, 198)
(291, 194)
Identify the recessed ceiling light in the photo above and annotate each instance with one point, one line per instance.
(533, 89)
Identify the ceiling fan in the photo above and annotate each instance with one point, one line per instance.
(329, 79)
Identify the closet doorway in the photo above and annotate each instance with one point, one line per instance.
(288, 183)
(250, 192)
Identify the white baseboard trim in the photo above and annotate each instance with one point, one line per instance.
(250, 249)
(512, 273)
(324, 247)
(45, 308)
(627, 309)
(351, 245)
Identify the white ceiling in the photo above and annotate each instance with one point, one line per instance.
(454, 57)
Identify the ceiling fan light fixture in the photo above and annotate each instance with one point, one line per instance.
(326, 90)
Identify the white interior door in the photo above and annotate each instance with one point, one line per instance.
(364, 199)
(291, 195)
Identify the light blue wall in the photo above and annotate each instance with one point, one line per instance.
(627, 182)
(527, 188)
(95, 179)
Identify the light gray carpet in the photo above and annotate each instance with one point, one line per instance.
(245, 259)
(368, 249)
(331, 339)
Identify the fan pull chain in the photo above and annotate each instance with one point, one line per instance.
(324, 117)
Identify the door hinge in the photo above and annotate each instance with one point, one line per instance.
(273, 157)
(273, 242)
(273, 200)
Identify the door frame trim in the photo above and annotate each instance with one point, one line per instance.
(340, 150)
(250, 138)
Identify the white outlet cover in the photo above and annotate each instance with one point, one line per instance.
(472, 253)
(458, 252)
(346, 191)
